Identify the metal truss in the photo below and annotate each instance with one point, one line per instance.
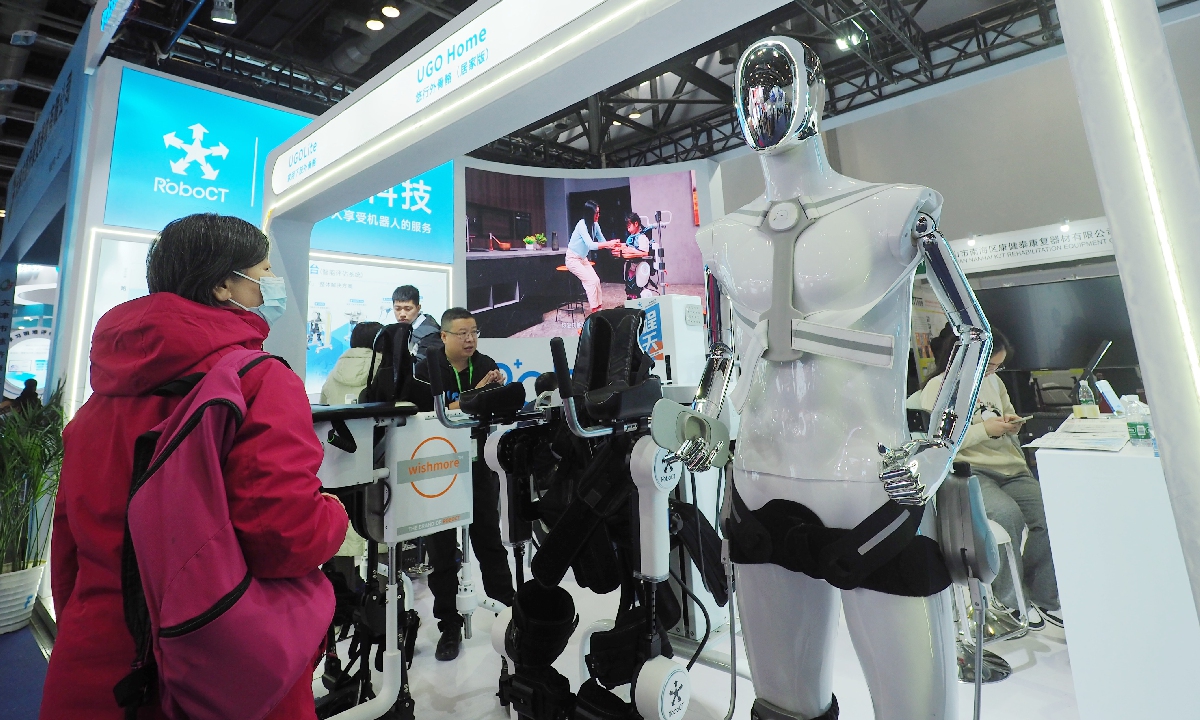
(223, 61)
(890, 55)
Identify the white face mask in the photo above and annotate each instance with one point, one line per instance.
(274, 298)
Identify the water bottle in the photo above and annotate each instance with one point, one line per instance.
(1137, 421)
(1086, 397)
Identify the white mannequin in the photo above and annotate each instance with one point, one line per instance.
(810, 428)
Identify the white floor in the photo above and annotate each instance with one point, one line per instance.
(1039, 689)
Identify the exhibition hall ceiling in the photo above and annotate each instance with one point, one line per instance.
(309, 54)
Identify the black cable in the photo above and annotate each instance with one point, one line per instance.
(707, 620)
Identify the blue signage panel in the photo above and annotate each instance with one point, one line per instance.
(179, 150)
(411, 221)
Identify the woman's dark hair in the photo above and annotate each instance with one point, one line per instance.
(194, 254)
(943, 344)
(363, 334)
(1000, 344)
(589, 216)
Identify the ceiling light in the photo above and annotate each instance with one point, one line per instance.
(3, 213)
(616, 122)
(842, 45)
(634, 115)
(854, 39)
(223, 12)
(375, 24)
(390, 11)
(971, 241)
(1066, 226)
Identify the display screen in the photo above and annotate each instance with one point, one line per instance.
(180, 149)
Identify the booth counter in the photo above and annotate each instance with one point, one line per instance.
(1131, 623)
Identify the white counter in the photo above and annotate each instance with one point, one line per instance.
(1132, 629)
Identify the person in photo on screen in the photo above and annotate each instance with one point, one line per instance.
(587, 237)
(349, 375)
(1012, 496)
(463, 368)
(212, 291)
(426, 333)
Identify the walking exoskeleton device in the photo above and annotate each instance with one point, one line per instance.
(591, 474)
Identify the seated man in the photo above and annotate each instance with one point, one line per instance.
(463, 369)
(1011, 495)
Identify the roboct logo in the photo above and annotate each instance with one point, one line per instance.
(199, 155)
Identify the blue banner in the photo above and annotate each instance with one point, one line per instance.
(411, 221)
(180, 149)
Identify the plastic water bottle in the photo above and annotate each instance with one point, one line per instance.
(1086, 397)
(1137, 421)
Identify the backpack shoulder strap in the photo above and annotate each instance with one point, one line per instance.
(180, 387)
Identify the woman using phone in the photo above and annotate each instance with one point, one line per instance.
(1011, 494)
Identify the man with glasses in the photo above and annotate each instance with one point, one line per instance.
(1012, 496)
(464, 368)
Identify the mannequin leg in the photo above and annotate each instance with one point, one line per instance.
(906, 648)
(790, 623)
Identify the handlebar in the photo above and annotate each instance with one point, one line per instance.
(559, 352)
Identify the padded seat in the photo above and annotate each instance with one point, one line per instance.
(619, 401)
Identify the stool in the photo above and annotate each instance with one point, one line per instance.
(575, 298)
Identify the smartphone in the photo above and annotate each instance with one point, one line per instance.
(1025, 419)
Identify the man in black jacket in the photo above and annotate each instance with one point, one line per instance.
(463, 369)
(425, 333)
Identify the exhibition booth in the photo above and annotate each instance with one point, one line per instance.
(379, 192)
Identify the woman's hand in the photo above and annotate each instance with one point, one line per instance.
(495, 376)
(999, 427)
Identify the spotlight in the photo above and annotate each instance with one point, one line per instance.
(390, 11)
(842, 44)
(854, 39)
(3, 213)
(223, 12)
(375, 24)
(615, 122)
(971, 240)
(634, 115)
(1066, 226)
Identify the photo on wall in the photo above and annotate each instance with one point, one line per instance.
(543, 252)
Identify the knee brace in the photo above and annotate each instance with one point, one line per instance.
(763, 710)
(542, 622)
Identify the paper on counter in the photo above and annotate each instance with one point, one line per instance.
(1107, 427)
(1080, 441)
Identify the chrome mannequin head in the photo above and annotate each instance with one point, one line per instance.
(780, 94)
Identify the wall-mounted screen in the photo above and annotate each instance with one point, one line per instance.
(180, 149)
(525, 278)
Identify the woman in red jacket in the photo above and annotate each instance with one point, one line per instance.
(208, 275)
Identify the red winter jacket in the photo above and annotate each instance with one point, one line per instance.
(285, 525)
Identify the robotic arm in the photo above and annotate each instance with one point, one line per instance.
(905, 466)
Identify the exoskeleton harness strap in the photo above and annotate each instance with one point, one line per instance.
(785, 334)
(882, 553)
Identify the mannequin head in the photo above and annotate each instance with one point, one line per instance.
(780, 94)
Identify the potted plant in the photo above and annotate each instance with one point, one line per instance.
(540, 239)
(31, 453)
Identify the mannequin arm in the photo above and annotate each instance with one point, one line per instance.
(905, 467)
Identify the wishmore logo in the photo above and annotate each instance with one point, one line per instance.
(196, 153)
(435, 466)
